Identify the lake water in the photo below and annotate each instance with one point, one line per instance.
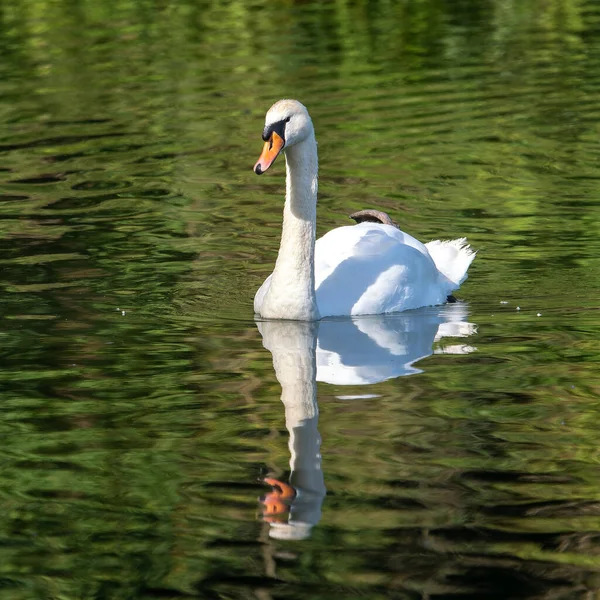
(451, 452)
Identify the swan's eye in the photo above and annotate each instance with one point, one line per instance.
(278, 128)
(288, 119)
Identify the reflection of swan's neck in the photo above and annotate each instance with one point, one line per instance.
(296, 370)
(294, 360)
(293, 346)
(292, 291)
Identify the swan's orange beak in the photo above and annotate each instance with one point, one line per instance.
(273, 146)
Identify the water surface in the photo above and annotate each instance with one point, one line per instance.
(141, 407)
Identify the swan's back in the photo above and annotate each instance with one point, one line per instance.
(373, 268)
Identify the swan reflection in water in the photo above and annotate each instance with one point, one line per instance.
(357, 351)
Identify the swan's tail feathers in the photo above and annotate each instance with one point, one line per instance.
(452, 258)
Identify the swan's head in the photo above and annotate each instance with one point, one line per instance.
(287, 123)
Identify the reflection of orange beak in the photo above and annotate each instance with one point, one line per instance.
(277, 503)
(273, 146)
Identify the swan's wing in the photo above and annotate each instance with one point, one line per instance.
(372, 268)
(365, 240)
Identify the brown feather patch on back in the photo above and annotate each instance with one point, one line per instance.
(372, 216)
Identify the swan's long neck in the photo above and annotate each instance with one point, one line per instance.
(292, 291)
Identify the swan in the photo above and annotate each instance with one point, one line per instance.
(371, 267)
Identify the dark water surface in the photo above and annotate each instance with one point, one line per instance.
(140, 403)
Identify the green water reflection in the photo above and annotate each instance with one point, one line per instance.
(139, 407)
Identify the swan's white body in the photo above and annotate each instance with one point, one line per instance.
(371, 268)
(368, 268)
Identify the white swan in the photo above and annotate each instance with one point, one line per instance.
(368, 268)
